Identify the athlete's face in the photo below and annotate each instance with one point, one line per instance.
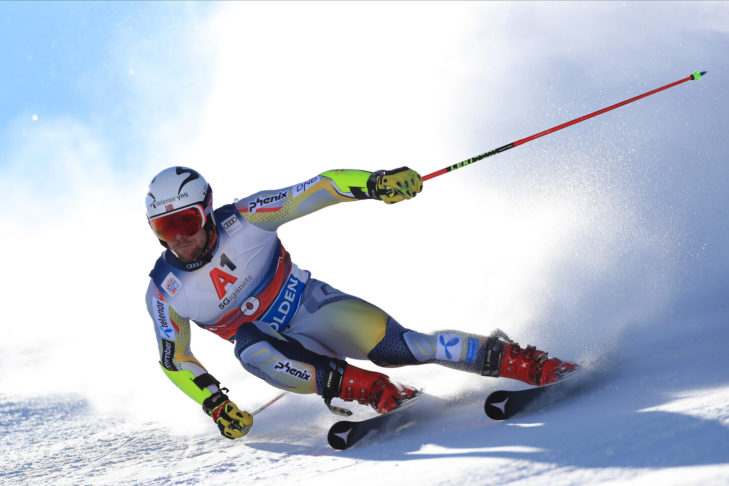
(188, 248)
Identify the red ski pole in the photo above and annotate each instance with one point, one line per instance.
(268, 404)
(694, 76)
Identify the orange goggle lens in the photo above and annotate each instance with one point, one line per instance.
(186, 221)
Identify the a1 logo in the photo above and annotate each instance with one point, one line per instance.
(220, 278)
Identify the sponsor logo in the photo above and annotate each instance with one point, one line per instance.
(449, 347)
(262, 201)
(233, 295)
(168, 354)
(221, 280)
(163, 323)
(227, 262)
(471, 350)
(191, 176)
(285, 305)
(299, 188)
(286, 368)
(250, 306)
(492, 357)
(169, 202)
(171, 284)
(194, 265)
(232, 225)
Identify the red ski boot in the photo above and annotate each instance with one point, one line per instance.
(532, 366)
(372, 388)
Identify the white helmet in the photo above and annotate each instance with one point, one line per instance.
(180, 201)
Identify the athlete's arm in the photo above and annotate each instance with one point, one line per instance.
(185, 371)
(271, 209)
(176, 358)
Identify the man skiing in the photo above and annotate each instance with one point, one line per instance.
(226, 270)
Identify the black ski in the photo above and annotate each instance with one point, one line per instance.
(345, 433)
(504, 404)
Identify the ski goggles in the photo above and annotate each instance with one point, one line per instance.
(185, 221)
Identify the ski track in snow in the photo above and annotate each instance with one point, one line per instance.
(646, 420)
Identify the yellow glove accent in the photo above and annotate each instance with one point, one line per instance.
(396, 185)
(232, 422)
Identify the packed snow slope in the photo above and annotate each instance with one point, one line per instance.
(658, 413)
(605, 243)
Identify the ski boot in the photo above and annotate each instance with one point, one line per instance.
(366, 387)
(507, 359)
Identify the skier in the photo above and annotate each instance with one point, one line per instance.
(226, 270)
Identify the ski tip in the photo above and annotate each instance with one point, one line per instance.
(339, 435)
(698, 74)
(497, 405)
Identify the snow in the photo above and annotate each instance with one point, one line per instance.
(658, 413)
(605, 243)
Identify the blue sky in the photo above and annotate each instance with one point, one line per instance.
(78, 61)
(598, 227)
(58, 46)
(54, 44)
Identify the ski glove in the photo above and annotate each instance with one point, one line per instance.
(232, 422)
(393, 186)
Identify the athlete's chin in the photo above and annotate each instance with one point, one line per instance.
(188, 253)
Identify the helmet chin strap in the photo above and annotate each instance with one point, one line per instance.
(212, 236)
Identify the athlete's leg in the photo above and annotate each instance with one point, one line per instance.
(307, 357)
(494, 355)
(338, 324)
(341, 325)
(285, 363)
(281, 361)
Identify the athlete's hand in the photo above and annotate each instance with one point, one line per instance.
(232, 422)
(393, 186)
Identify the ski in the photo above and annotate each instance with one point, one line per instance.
(500, 405)
(346, 433)
(504, 404)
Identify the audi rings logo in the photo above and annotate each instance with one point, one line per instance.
(250, 306)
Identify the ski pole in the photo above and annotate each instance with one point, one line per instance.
(694, 76)
(267, 404)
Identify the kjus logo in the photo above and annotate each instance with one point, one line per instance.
(449, 347)
(287, 368)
